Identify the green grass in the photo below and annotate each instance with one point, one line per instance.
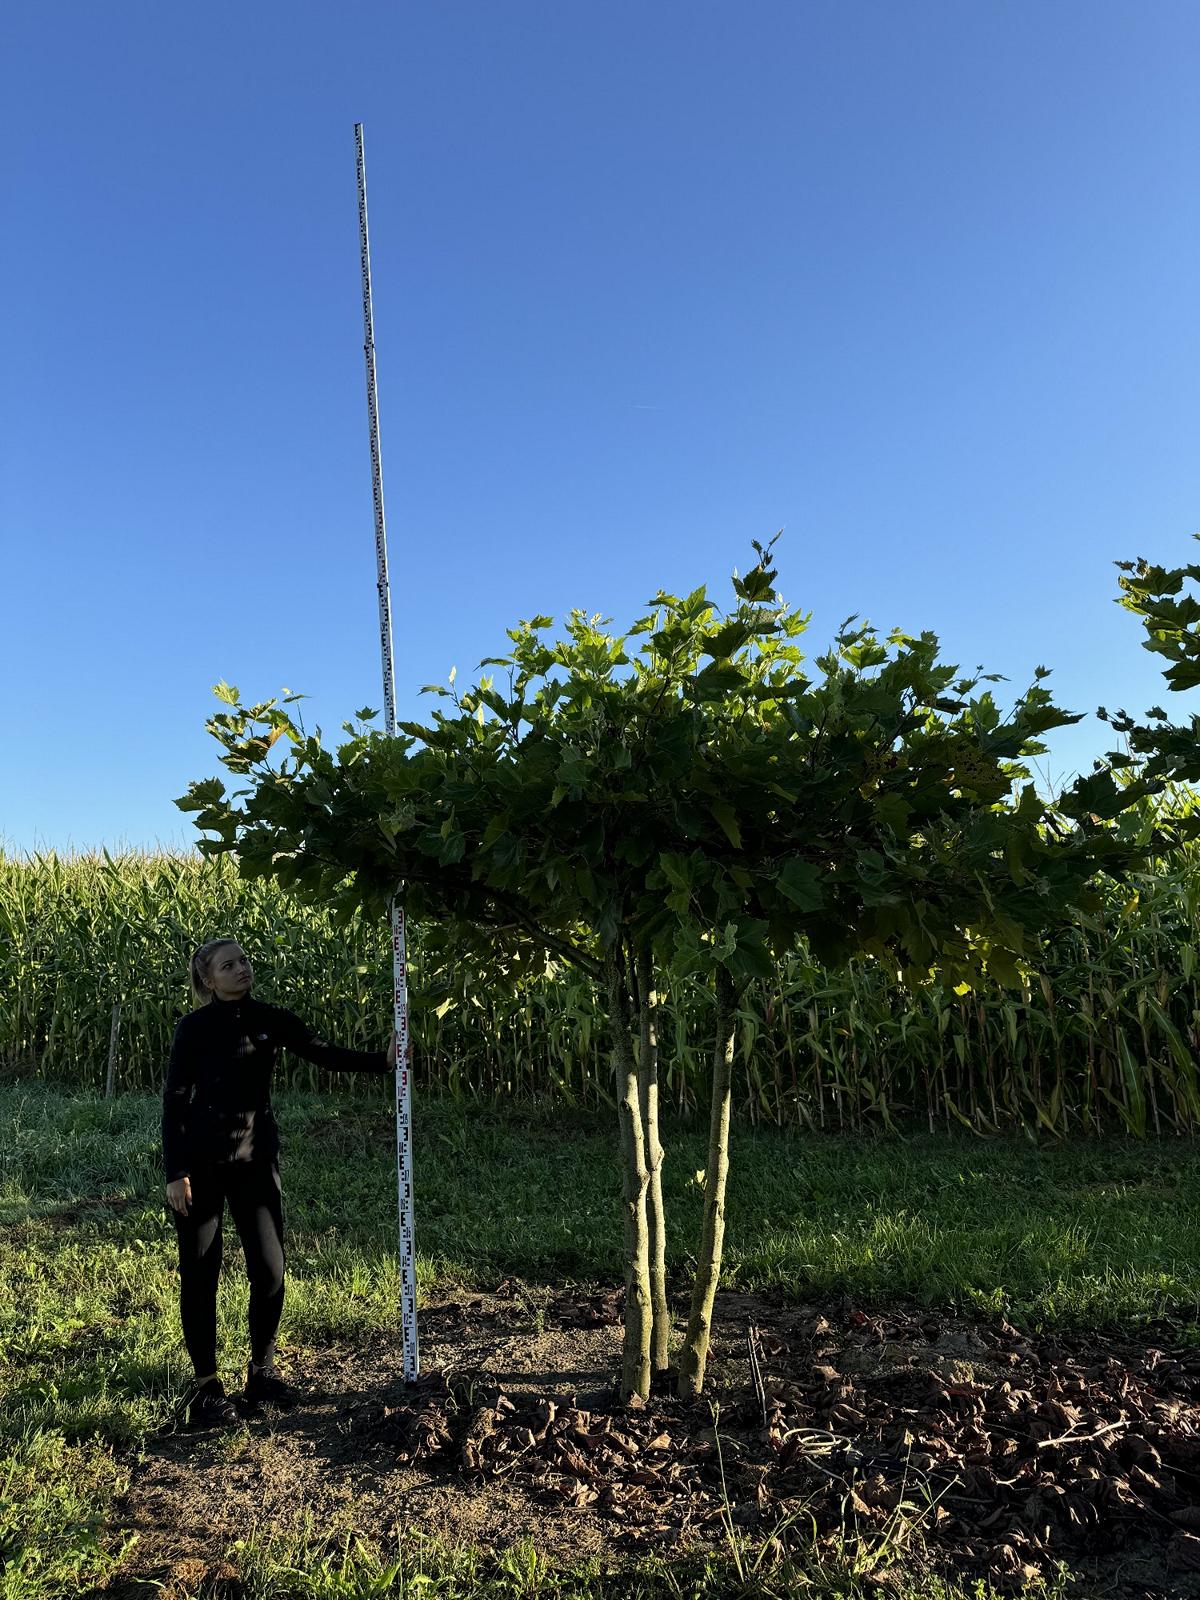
(53, 1499)
(90, 1354)
(304, 1564)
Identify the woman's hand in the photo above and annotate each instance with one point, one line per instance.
(391, 1050)
(179, 1195)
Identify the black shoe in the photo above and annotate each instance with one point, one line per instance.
(266, 1388)
(211, 1407)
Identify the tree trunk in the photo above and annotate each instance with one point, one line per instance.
(694, 1355)
(655, 1216)
(639, 1321)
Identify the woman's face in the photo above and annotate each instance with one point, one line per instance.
(230, 974)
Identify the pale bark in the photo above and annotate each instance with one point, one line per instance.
(639, 1319)
(655, 1215)
(694, 1356)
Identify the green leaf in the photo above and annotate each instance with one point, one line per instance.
(755, 586)
(893, 812)
(507, 850)
(453, 849)
(718, 679)
(1002, 966)
(726, 816)
(801, 882)
(202, 794)
(750, 958)
(728, 639)
(1015, 857)
(675, 869)
(493, 830)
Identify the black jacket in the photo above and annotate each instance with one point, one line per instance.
(217, 1098)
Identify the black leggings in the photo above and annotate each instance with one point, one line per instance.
(253, 1191)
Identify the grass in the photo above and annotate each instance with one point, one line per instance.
(53, 1500)
(91, 1359)
(303, 1564)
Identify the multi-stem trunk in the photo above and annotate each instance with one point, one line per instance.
(694, 1356)
(639, 1320)
(655, 1216)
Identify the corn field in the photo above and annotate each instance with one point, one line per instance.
(1097, 1043)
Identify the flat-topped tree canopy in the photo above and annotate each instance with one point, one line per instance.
(688, 785)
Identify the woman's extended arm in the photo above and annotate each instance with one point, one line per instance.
(295, 1035)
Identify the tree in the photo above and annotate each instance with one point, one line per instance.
(693, 803)
(1163, 751)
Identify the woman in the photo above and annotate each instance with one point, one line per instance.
(221, 1145)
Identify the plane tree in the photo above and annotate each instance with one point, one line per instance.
(686, 797)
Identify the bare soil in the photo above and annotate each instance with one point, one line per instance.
(969, 1447)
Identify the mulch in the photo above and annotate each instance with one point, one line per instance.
(970, 1447)
(996, 1450)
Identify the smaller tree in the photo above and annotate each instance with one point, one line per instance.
(1163, 751)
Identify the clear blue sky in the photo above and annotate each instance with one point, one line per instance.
(915, 282)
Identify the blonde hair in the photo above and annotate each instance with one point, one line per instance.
(201, 966)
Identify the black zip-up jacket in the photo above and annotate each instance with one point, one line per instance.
(217, 1098)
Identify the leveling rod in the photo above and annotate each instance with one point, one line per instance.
(404, 1164)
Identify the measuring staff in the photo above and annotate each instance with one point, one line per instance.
(404, 1161)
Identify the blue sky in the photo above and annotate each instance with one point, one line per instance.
(914, 283)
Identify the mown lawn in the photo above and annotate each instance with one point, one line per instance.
(91, 1361)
